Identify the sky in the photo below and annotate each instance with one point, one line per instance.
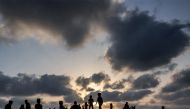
(129, 50)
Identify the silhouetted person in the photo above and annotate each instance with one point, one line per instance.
(22, 106)
(27, 104)
(85, 105)
(126, 106)
(100, 100)
(61, 105)
(8, 106)
(163, 107)
(75, 106)
(38, 105)
(111, 106)
(90, 102)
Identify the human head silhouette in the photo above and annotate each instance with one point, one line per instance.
(10, 102)
(38, 100)
(90, 96)
(126, 103)
(75, 102)
(99, 94)
(26, 101)
(60, 102)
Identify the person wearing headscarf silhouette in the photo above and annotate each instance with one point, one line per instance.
(38, 105)
(8, 106)
(100, 100)
(126, 106)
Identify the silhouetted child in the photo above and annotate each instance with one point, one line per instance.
(126, 106)
(100, 100)
(90, 102)
(22, 106)
(111, 106)
(8, 106)
(85, 105)
(38, 105)
(75, 106)
(27, 105)
(61, 105)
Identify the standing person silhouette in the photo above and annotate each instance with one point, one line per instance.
(8, 106)
(85, 105)
(126, 106)
(100, 100)
(111, 106)
(27, 105)
(90, 102)
(61, 105)
(38, 105)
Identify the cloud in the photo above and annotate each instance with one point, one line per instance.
(116, 85)
(178, 91)
(70, 19)
(25, 85)
(95, 78)
(179, 81)
(117, 96)
(140, 43)
(99, 77)
(83, 82)
(145, 81)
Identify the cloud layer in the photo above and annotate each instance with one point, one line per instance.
(71, 19)
(25, 85)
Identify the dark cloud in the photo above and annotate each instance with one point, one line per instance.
(179, 81)
(25, 85)
(178, 91)
(117, 96)
(145, 81)
(83, 82)
(70, 18)
(99, 77)
(140, 42)
(95, 78)
(115, 85)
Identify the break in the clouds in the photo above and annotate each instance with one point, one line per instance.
(140, 42)
(25, 85)
(95, 78)
(70, 19)
(117, 96)
(177, 92)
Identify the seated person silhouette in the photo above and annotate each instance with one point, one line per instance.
(90, 102)
(75, 106)
(27, 105)
(8, 106)
(126, 106)
(61, 105)
(38, 105)
(100, 100)
(22, 106)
